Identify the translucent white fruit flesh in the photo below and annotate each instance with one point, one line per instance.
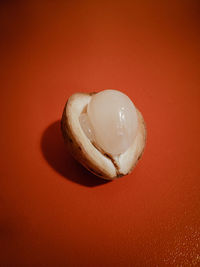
(110, 121)
(86, 126)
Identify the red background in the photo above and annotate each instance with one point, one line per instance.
(53, 212)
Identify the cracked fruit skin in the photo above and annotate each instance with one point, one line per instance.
(93, 123)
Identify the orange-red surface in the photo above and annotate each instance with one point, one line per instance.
(52, 211)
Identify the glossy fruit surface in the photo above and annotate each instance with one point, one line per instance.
(112, 121)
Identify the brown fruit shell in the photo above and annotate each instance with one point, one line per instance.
(94, 159)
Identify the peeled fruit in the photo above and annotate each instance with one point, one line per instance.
(110, 121)
(104, 131)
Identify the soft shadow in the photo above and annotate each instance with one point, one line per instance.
(58, 157)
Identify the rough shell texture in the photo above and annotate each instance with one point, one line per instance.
(95, 160)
